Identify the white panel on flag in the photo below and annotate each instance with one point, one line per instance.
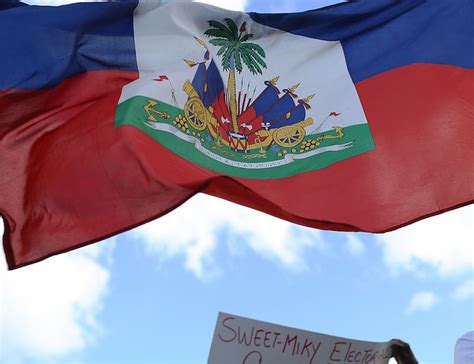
(241, 98)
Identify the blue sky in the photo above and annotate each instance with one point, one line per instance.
(152, 295)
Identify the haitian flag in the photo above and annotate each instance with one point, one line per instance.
(354, 117)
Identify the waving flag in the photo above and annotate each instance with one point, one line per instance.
(355, 117)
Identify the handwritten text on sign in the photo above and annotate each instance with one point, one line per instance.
(239, 340)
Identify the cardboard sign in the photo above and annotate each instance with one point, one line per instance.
(238, 340)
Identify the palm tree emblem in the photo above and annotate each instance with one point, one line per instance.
(236, 51)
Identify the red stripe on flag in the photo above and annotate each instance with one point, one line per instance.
(63, 162)
(421, 120)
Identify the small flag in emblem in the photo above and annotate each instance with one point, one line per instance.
(161, 78)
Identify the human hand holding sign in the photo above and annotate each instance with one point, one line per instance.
(402, 353)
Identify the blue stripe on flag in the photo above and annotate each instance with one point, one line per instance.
(40, 46)
(6, 4)
(380, 35)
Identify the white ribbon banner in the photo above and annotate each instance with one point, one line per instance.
(238, 340)
(289, 158)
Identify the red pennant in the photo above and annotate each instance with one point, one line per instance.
(161, 78)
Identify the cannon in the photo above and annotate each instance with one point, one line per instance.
(197, 115)
(202, 118)
(286, 136)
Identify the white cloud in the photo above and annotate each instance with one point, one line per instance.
(464, 290)
(443, 243)
(421, 301)
(354, 243)
(49, 309)
(288, 6)
(193, 230)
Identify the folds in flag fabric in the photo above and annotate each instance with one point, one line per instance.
(354, 117)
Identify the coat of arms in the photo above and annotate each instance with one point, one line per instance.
(238, 127)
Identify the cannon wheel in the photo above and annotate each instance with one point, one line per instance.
(288, 136)
(195, 113)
